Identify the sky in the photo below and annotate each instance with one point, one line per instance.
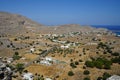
(57, 12)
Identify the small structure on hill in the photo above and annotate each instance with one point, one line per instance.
(27, 76)
(9, 60)
(46, 61)
(32, 50)
(48, 79)
(64, 47)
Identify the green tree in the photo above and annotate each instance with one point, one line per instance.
(76, 63)
(107, 64)
(16, 56)
(99, 64)
(115, 54)
(16, 53)
(86, 72)
(89, 64)
(72, 65)
(70, 73)
(116, 60)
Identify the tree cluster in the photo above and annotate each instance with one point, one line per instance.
(100, 63)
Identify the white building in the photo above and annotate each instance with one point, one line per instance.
(114, 77)
(32, 50)
(65, 47)
(9, 60)
(45, 62)
(2, 65)
(118, 35)
(99, 35)
(27, 76)
(91, 43)
(48, 79)
(48, 58)
(54, 35)
(8, 69)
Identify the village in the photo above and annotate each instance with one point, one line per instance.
(54, 56)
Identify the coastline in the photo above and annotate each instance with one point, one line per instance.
(114, 29)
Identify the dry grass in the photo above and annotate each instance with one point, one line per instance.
(47, 71)
(30, 56)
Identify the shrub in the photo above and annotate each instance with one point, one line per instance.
(115, 54)
(8, 46)
(1, 43)
(72, 65)
(25, 71)
(115, 60)
(86, 78)
(80, 60)
(97, 52)
(106, 75)
(99, 78)
(104, 52)
(71, 60)
(16, 53)
(86, 72)
(16, 57)
(70, 73)
(15, 39)
(76, 63)
(107, 64)
(84, 67)
(20, 67)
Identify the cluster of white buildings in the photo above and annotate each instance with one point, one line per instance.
(46, 61)
(5, 72)
(68, 45)
(6, 60)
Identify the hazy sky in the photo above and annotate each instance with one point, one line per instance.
(54, 12)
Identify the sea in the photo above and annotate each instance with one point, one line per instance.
(115, 29)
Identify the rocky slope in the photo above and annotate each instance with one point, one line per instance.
(13, 23)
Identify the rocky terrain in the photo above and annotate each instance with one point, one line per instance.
(14, 23)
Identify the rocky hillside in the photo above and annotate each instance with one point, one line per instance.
(13, 23)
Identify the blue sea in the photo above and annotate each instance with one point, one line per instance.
(115, 29)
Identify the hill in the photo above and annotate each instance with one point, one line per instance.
(14, 23)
